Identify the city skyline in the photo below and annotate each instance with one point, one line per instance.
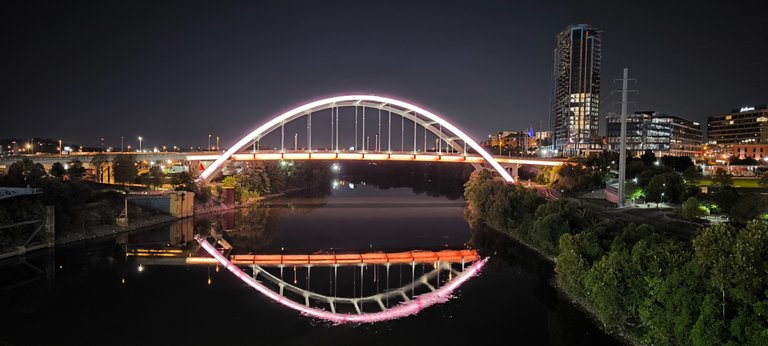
(142, 67)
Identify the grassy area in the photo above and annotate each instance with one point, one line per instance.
(737, 182)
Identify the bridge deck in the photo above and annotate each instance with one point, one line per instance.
(408, 257)
(376, 156)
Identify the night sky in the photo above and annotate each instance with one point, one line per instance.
(173, 72)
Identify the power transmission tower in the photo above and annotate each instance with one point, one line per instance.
(623, 138)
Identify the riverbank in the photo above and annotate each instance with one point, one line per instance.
(154, 221)
(538, 225)
(476, 222)
(644, 285)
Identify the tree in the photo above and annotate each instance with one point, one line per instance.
(748, 207)
(183, 182)
(747, 161)
(654, 192)
(709, 328)
(27, 172)
(609, 284)
(692, 209)
(665, 187)
(750, 263)
(648, 158)
(763, 180)
(713, 249)
(124, 168)
(76, 169)
(57, 170)
(253, 177)
(671, 306)
(277, 177)
(155, 177)
(722, 178)
(98, 161)
(570, 267)
(692, 175)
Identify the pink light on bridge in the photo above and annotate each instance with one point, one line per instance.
(405, 309)
(329, 103)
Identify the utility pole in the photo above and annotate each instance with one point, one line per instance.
(623, 145)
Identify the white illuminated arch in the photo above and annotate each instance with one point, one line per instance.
(405, 110)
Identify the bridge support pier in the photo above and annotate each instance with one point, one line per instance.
(513, 170)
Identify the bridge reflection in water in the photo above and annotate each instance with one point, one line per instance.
(449, 270)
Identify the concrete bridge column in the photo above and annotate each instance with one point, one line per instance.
(513, 169)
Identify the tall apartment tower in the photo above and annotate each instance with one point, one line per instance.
(576, 91)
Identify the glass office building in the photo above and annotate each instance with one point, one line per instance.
(660, 133)
(576, 91)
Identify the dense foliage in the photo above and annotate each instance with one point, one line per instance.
(712, 290)
(76, 205)
(432, 179)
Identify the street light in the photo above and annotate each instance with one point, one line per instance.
(217, 142)
(209, 142)
(140, 139)
(295, 141)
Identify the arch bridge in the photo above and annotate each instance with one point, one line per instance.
(451, 144)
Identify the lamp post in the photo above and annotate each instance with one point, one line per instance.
(60, 148)
(217, 142)
(295, 141)
(140, 139)
(122, 148)
(209, 142)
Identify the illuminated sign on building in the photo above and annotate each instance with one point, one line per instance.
(746, 109)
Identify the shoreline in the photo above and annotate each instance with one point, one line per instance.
(621, 336)
(104, 231)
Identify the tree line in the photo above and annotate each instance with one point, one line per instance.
(711, 290)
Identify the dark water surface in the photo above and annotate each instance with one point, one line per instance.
(92, 294)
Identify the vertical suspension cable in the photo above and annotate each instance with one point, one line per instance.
(309, 132)
(356, 148)
(337, 129)
(282, 137)
(402, 133)
(332, 127)
(440, 141)
(389, 130)
(425, 138)
(378, 137)
(414, 132)
(363, 138)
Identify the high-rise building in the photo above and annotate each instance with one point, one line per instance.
(745, 125)
(660, 133)
(576, 91)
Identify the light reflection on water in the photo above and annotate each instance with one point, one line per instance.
(89, 293)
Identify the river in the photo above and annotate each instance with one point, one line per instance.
(93, 294)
